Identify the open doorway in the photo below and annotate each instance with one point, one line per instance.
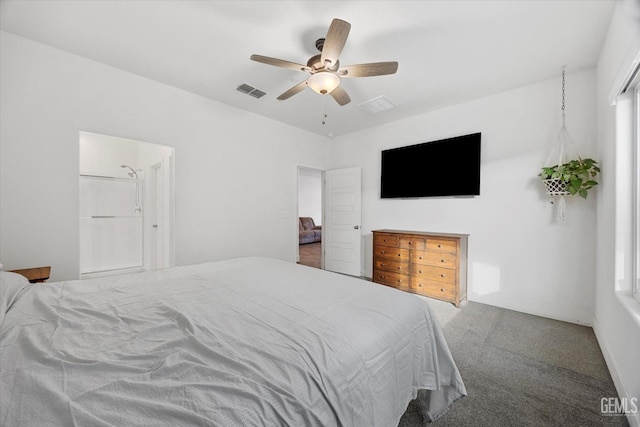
(126, 205)
(310, 217)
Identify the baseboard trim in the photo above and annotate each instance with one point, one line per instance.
(634, 419)
(550, 311)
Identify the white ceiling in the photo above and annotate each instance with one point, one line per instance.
(448, 51)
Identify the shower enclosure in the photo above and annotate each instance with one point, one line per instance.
(111, 223)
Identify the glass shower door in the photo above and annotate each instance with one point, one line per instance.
(111, 224)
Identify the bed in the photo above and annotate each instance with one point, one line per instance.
(243, 342)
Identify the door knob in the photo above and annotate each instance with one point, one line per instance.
(356, 227)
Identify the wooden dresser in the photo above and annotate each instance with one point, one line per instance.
(429, 264)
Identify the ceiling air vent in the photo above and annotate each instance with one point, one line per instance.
(378, 104)
(250, 90)
(257, 93)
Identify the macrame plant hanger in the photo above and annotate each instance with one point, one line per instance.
(556, 188)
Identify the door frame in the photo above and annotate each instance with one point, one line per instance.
(322, 201)
(158, 221)
(166, 218)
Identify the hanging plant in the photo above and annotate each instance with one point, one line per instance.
(575, 177)
(568, 178)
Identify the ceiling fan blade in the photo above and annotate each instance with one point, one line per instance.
(279, 63)
(341, 96)
(297, 88)
(368, 70)
(334, 41)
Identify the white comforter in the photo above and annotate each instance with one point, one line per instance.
(244, 342)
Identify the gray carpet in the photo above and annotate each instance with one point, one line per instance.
(521, 370)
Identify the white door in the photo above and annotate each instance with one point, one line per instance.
(157, 216)
(341, 233)
(161, 236)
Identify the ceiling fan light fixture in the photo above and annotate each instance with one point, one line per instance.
(323, 82)
(324, 69)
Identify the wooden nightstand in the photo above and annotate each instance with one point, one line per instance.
(36, 274)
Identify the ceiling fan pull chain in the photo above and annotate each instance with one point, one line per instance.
(324, 102)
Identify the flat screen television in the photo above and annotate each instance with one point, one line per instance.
(447, 167)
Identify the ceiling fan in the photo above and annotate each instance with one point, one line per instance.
(325, 70)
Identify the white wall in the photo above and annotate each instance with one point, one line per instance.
(519, 257)
(617, 314)
(235, 172)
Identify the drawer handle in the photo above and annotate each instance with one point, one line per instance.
(399, 268)
(439, 245)
(399, 254)
(381, 264)
(441, 260)
(410, 243)
(441, 289)
(420, 271)
(399, 280)
(419, 257)
(442, 275)
(381, 252)
(420, 284)
(382, 276)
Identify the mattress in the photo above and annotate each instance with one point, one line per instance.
(242, 342)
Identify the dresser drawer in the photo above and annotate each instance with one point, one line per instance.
(438, 274)
(391, 265)
(436, 259)
(392, 279)
(393, 253)
(385, 240)
(442, 245)
(411, 242)
(433, 289)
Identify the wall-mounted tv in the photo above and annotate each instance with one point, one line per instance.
(448, 167)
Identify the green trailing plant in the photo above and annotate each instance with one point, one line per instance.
(577, 175)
